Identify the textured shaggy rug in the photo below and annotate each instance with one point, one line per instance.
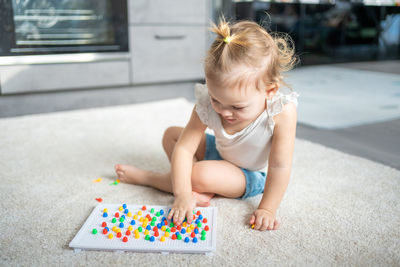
(338, 209)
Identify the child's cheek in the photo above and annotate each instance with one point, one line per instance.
(246, 115)
(215, 108)
(241, 117)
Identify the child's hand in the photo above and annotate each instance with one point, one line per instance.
(264, 220)
(183, 207)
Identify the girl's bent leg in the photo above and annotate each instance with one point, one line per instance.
(208, 177)
(171, 136)
(162, 181)
(218, 177)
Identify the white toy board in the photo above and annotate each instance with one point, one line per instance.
(200, 238)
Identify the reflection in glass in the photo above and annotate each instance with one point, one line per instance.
(55, 23)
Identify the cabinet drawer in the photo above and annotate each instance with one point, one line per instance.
(167, 53)
(46, 77)
(176, 11)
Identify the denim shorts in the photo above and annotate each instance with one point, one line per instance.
(255, 181)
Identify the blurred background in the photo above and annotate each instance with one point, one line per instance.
(58, 55)
(334, 31)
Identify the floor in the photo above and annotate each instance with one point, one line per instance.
(378, 142)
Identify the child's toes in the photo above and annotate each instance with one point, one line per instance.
(117, 167)
(121, 174)
(202, 203)
(119, 170)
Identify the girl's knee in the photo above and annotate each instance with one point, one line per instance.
(169, 134)
(201, 177)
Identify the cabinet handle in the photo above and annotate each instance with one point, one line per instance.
(169, 37)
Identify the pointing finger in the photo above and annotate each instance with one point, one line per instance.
(176, 217)
(181, 217)
(170, 214)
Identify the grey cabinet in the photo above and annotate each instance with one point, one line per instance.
(23, 78)
(167, 53)
(168, 39)
(163, 11)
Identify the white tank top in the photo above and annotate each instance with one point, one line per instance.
(250, 147)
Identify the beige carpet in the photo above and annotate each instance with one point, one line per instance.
(338, 210)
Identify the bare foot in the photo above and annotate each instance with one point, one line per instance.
(203, 199)
(130, 174)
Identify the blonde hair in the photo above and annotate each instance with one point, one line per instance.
(246, 44)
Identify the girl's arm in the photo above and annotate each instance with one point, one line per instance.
(279, 168)
(181, 169)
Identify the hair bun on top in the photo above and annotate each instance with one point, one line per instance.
(222, 30)
(226, 34)
(246, 43)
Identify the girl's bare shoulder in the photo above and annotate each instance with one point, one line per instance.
(288, 116)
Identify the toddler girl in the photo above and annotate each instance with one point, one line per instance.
(253, 122)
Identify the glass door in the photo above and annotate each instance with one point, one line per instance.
(65, 26)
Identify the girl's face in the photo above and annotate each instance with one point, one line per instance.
(235, 105)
